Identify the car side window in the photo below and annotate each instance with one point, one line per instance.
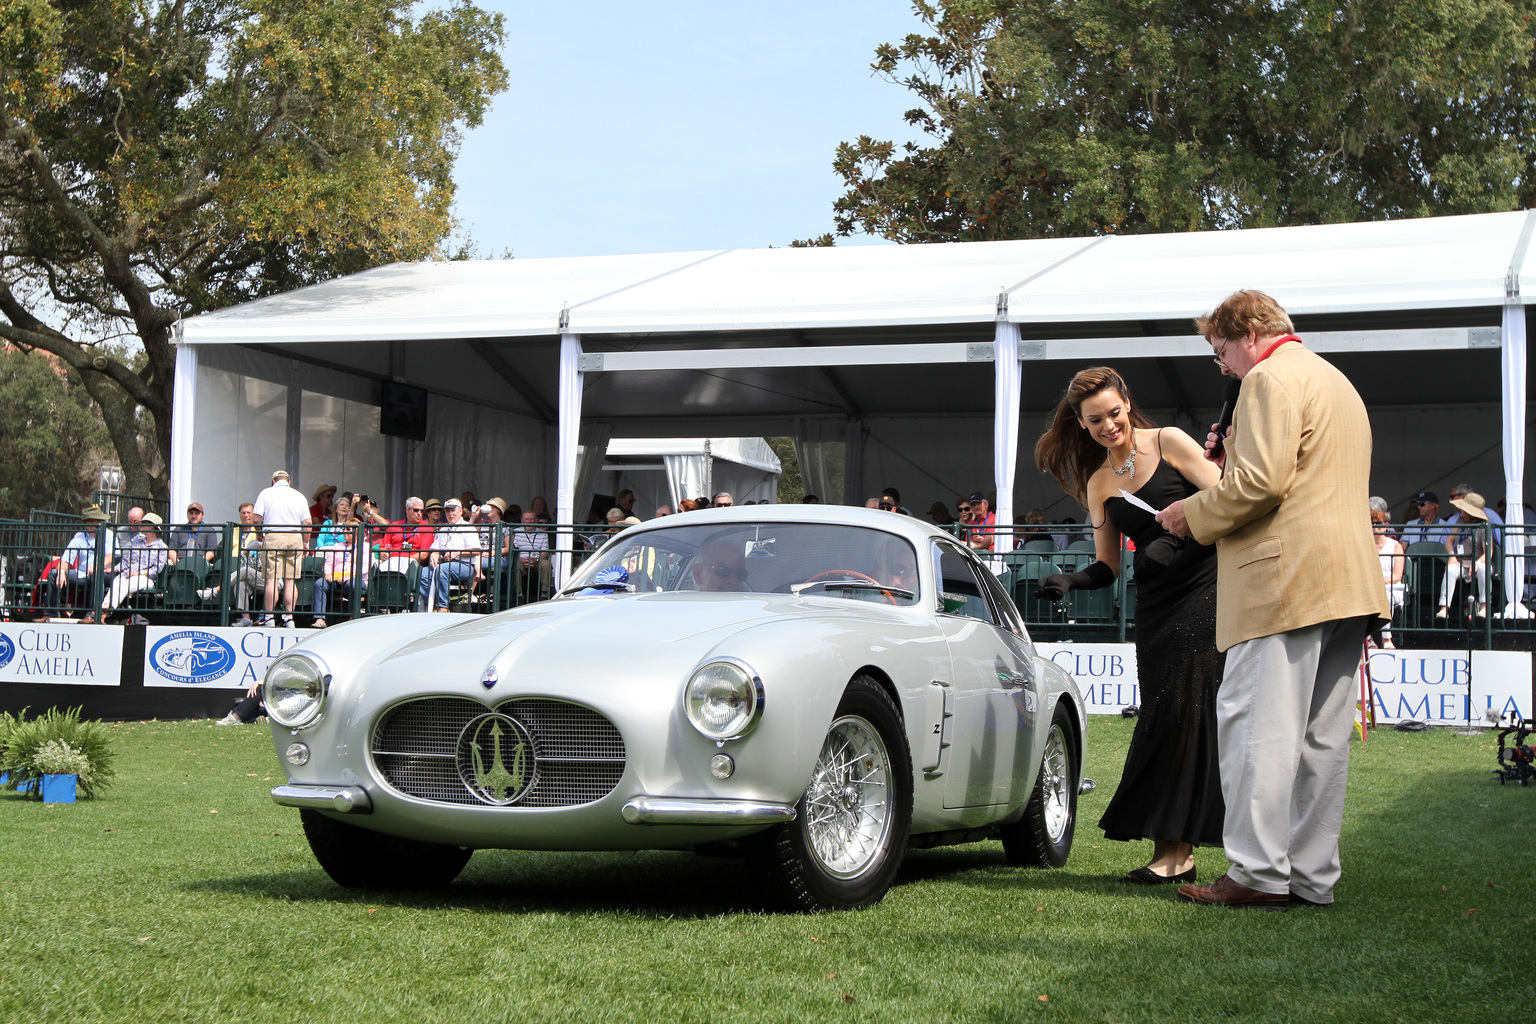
(1007, 615)
(962, 591)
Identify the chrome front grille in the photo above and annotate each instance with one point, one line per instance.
(580, 753)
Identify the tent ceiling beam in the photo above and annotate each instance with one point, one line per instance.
(834, 381)
(515, 380)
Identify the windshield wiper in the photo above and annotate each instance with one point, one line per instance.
(854, 585)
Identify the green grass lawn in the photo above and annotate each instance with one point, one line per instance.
(185, 894)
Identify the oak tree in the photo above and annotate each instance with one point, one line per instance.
(1080, 117)
(162, 158)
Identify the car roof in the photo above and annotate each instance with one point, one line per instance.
(915, 530)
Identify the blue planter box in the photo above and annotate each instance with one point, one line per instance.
(59, 789)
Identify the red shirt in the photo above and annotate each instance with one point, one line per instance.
(400, 535)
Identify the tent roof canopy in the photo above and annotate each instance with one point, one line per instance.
(1424, 263)
(741, 342)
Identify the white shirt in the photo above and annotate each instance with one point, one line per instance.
(459, 540)
(281, 505)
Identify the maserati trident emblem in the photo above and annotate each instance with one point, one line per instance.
(496, 759)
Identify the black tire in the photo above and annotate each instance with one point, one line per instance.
(1043, 837)
(816, 862)
(357, 858)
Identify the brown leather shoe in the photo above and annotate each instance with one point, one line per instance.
(1224, 892)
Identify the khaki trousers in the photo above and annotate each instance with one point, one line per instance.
(1284, 715)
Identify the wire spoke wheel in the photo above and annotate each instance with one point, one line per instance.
(848, 801)
(1042, 838)
(1055, 778)
(845, 845)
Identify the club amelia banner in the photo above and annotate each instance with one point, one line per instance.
(1426, 686)
(216, 657)
(65, 653)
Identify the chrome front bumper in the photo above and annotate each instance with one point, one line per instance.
(667, 810)
(348, 799)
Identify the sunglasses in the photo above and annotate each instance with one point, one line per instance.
(726, 572)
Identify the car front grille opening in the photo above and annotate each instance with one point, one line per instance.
(580, 753)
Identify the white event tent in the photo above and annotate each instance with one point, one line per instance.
(926, 362)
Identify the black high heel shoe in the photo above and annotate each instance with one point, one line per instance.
(1146, 876)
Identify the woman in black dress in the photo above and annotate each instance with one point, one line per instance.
(1099, 443)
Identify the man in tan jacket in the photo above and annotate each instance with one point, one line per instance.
(1298, 582)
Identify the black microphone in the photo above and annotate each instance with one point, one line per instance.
(1228, 404)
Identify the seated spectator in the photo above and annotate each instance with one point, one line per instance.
(322, 502)
(938, 512)
(532, 545)
(540, 509)
(1468, 547)
(722, 499)
(1459, 493)
(890, 500)
(687, 505)
(810, 499)
(340, 528)
(338, 541)
(196, 538)
(1393, 562)
(249, 575)
(982, 524)
(402, 543)
(1064, 538)
(455, 556)
(663, 510)
(495, 539)
(140, 565)
(71, 582)
(1428, 525)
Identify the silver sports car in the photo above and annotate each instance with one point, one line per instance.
(818, 687)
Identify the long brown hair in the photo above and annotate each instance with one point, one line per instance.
(1066, 450)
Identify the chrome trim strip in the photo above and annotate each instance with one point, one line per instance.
(347, 799)
(670, 810)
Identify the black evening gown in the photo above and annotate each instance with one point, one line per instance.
(1171, 787)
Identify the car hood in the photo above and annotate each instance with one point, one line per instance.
(602, 634)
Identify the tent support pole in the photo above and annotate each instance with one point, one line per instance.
(566, 452)
(1005, 432)
(183, 421)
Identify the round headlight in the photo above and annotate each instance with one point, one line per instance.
(724, 700)
(294, 690)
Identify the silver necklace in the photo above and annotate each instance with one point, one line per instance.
(1130, 462)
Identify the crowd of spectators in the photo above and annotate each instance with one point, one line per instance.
(453, 548)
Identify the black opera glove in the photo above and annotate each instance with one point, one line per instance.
(1055, 586)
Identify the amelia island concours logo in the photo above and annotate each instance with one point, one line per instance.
(496, 759)
(192, 656)
(7, 650)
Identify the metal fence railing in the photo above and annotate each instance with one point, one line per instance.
(1441, 598)
(56, 566)
(218, 575)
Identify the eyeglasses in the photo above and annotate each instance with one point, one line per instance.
(726, 572)
(1221, 354)
(722, 504)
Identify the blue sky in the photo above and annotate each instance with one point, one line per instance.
(664, 126)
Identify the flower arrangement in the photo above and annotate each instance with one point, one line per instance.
(55, 743)
(59, 758)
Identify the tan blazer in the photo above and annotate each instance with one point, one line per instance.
(1291, 515)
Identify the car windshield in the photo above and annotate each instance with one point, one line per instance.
(761, 558)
